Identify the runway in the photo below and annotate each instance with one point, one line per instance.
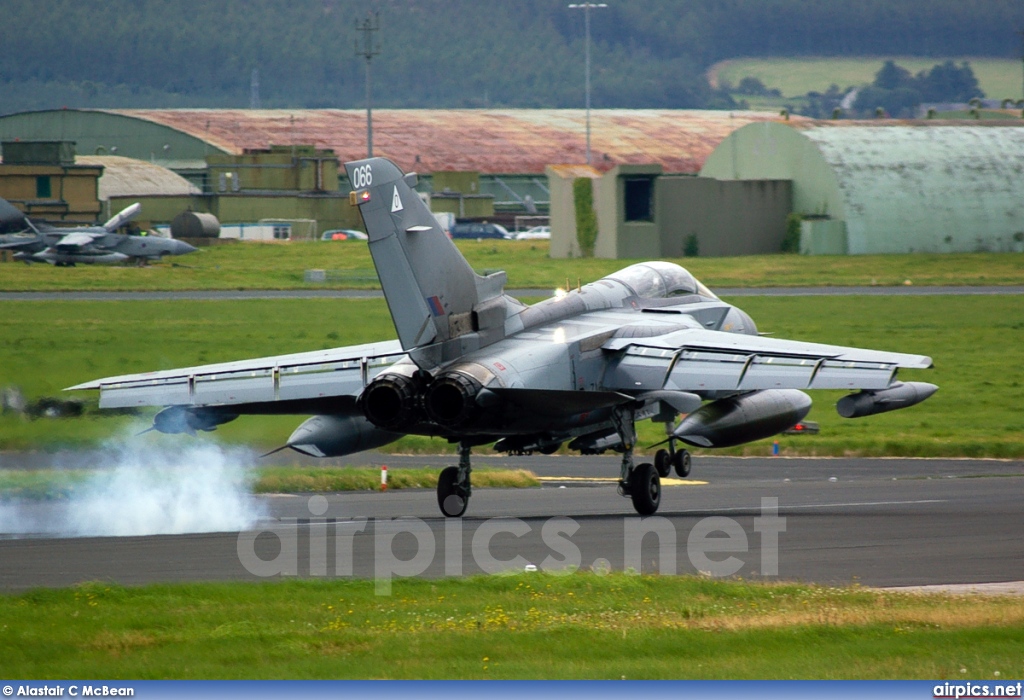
(876, 522)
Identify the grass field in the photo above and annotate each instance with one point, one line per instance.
(55, 484)
(998, 78)
(541, 626)
(282, 266)
(977, 343)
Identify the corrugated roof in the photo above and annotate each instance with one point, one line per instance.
(899, 186)
(128, 177)
(488, 141)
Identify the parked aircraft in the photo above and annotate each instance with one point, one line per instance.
(476, 366)
(65, 247)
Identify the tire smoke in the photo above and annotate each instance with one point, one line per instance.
(141, 488)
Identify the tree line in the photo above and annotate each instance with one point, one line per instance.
(451, 53)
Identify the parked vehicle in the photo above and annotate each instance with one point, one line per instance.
(478, 231)
(343, 234)
(537, 233)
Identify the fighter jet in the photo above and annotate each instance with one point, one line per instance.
(64, 247)
(476, 366)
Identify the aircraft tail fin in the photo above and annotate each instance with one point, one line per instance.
(12, 220)
(123, 217)
(433, 294)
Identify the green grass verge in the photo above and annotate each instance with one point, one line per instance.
(55, 484)
(282, 266)
(518, 626)
(998, 78)
(314, 480)
(974, 340)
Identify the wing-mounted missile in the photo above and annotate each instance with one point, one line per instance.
(899, 395)
(528, 444)
(185, 419)
(597, 443)
(740, 419)
(337, 436)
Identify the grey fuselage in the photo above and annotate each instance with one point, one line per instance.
(560, 346)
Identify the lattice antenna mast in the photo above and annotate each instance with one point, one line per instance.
(368, 50)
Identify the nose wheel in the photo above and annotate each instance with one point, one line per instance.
(665, 461)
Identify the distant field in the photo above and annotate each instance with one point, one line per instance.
(999, 78)
(282, 266)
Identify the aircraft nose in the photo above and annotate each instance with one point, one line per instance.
(181, 248)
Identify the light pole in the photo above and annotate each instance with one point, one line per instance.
(586, 7)
(368, 51)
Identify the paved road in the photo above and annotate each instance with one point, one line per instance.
(227, 295)
(881, 522)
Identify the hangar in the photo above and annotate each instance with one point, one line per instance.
(889, 186)
(508, 148)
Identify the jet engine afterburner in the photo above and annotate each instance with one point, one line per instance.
(392, 401)
(451, 400)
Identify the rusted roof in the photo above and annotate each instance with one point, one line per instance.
(488, 141)
(125, 177)
(571, 172)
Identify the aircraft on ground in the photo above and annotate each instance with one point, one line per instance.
(64, 247)
(476, 366)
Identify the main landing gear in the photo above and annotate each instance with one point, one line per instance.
(453, 487)
(641, 482)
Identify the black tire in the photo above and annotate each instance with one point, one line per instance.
(663, 463)
(449, 496)
(645, 489)
(682, 462)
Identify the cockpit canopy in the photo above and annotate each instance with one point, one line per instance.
(659, 280)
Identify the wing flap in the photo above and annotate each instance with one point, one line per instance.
(701, 360)
(300, 376)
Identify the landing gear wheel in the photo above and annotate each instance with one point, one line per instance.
(450, 496)
(681, 463)
(645, 489)
(663, 463)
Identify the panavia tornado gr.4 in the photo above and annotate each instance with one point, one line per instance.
(66, 247)
(476, 366)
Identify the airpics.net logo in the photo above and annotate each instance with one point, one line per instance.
(402, 547)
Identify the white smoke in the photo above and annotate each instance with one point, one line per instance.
(142, 488)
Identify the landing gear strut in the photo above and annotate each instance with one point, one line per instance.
(640, 482)
(453, 487)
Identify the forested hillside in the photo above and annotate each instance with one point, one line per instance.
(450, 53)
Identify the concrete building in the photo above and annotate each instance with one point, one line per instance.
(644, 214)
(43, 179)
